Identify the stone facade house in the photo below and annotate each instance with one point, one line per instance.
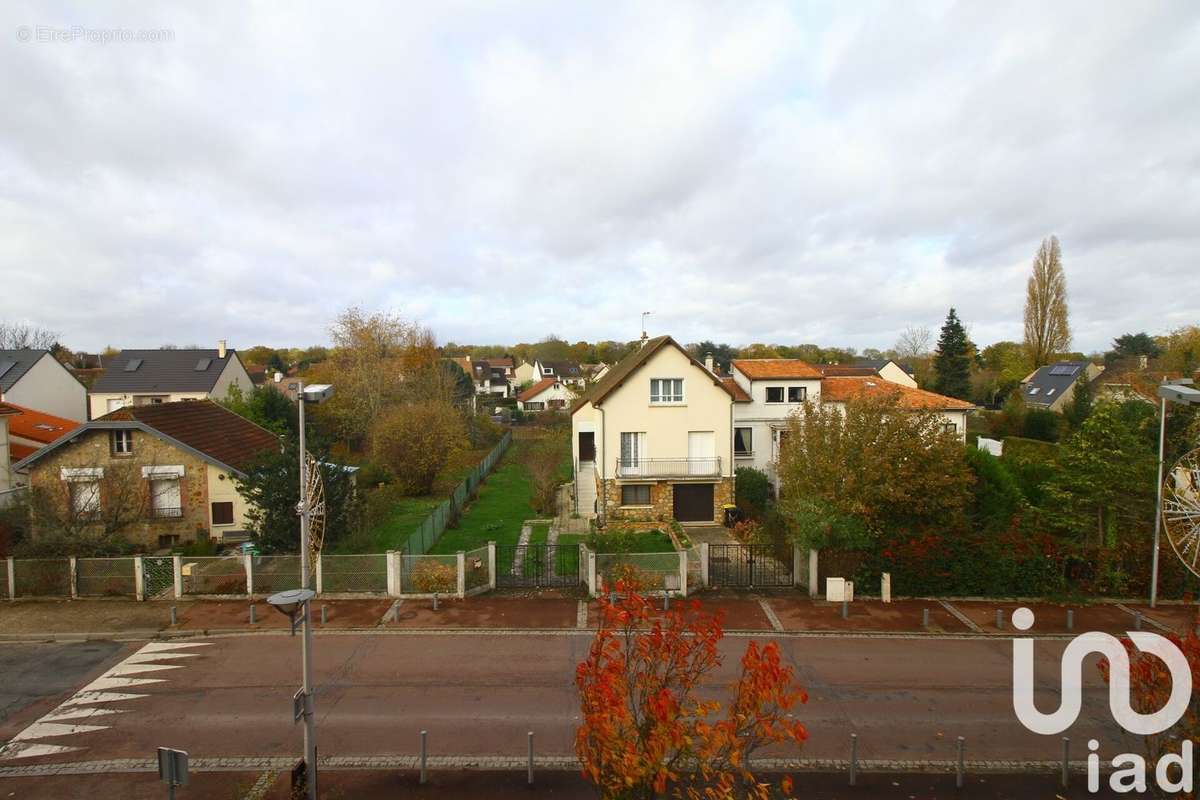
(653, 439)
(165, 471)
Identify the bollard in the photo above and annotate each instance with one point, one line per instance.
(925, 617)
(1066, 762)
(435, 594)
(845, 608)
(1137, 621)
(253, 614)
(1070, 619)
(424, 749)
(959, 768)
(323, 617)
(174, 619)
(666, 601)
(999, 619)
(853, 759)
(530, 776)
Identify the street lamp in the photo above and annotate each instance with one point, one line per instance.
(1183, 392)
(291, 602)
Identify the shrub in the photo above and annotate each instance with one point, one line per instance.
(434, 576)
(628, 576)
(1042, 424)
(997, 495)
(416, 441)
(753, 491)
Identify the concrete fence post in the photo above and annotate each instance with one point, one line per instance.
(74, 567)
(683, 573)
(797, 565)
(591, 574)
(491, 565)
(248, 560)
(461, 558)
(177, 570)
(392, 588)
(704, 564)
(814, 581)
(12, 579)
(139, 578)
(320, 574)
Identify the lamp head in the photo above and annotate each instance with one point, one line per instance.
(290, 601)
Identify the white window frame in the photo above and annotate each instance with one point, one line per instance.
(121, 442)
(535, 405)
(85, 497)
(802, 390)
(659, 388)
(743, 453)
(166, 495)
(950, 427)
(632, 465)
(782, 395)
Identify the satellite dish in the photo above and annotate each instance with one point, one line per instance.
(1181, 510)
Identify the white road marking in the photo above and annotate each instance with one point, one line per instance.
(27, 750)
(100, 684)
(135, 669)
(40, 730)
(80, 712)
(86, 697)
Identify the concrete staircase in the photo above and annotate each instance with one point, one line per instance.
(585, 486)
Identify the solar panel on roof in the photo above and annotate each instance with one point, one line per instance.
(5, 366)
(202, 364)
(1064, 369)
(133, 365)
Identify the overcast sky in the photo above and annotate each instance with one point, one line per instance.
(750, 172)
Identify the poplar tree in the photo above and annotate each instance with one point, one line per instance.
(1047, 329)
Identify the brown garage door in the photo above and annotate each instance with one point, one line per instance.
(693, 502)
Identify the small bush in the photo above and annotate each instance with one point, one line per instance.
(634, 579)
(753, 491)
(434, 576)
(1042, 424)
(998, 496)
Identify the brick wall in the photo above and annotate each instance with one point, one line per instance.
(94, 450)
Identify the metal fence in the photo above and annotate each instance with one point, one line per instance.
(651, 572)
(428, 574)
(42, 577)
(271, 574)
(354, 574)
(428, 532)
(475, 569)
(105, 577)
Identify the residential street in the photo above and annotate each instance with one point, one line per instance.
(478, 695)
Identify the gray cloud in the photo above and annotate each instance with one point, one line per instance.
(750, 171)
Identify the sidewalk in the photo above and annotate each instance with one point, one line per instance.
(782, 613)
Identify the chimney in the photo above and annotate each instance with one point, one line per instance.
(1143, 362)
(220, 348)
(708, 362)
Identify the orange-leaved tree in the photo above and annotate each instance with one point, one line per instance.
(645, 726)
(1150, 687)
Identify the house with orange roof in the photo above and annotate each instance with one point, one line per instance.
(549, 394)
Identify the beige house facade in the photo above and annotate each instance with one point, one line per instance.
(35, 379)
(151, 377)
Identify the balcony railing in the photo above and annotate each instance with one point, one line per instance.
(166, 513)
(669, 467)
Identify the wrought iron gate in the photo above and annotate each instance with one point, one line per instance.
(747, 565)
(537, 565)
(158, 576)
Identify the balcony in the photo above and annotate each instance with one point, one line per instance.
(669, 468)
(165, 512)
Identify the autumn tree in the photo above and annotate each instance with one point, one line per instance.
(952, 360)
(417, 440)
(1047, 328)
(875, 466)
(645, 724)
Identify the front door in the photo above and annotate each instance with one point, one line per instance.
(587, 446)
(693, 502)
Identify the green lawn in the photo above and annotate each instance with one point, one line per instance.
(497, 513)
(538, 533)
(653, 541)
(393, 532)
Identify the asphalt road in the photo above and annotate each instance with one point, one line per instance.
(35, 675)
(478, 694)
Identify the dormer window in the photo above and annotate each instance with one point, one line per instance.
(547, 371)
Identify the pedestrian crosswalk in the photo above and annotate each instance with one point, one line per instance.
(98, 702)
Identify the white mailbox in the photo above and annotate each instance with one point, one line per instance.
(835, 590)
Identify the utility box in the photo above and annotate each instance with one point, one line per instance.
(835, 590)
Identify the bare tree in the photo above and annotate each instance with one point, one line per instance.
(23, 336)
(88, 514)
(914, 342)
(1047, 328)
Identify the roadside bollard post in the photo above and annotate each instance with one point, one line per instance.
(960, 767)
(530, 775)
(435, 599)
(253, 614)
(424, 752)
(666, 600)
(1066, 762)
(845, 608)
(1070, 619)
(1137, 620)
(174, 619)
(323, 615)
(925, 618)
(999, 619)
(853, 759)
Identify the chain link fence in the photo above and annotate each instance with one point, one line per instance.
(214, 575)
(476, 568)
(42, 577)
(273, 574)
(356, 573)
(648, 572)
(428, 574)
(105, 577)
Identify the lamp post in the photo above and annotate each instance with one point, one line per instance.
(1178, 391)
(297, 600)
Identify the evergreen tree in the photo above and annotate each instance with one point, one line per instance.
(952, 362)
(1080, 407)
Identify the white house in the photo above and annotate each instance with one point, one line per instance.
(151, 377)
(568, 372)
(35, 379)
(654, 439)
(548, 394)
(491, 376)
(6, 476)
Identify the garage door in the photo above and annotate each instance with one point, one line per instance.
(693, 502)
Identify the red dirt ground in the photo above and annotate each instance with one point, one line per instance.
(1048, 617)
(805, 614)
(740, 613)
(1179, 618)
(489, 612)
(233, 614)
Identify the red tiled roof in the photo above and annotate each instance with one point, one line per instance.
(38, 426)
(536, 389)
(757, 369)
(839, 390)
(18, 451)
(739, 394)
(845, 371)
(205, 426)
(7, 408)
